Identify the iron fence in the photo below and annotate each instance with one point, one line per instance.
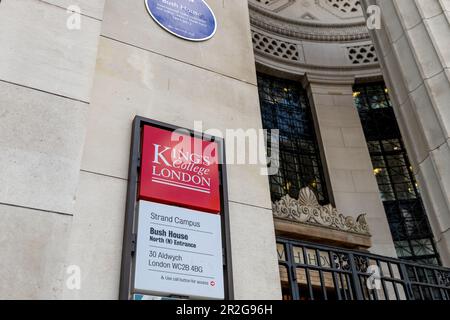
(316, 272)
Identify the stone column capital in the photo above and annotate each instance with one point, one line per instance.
(331, 80)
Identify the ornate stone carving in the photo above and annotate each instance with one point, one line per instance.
(307, 30)
(362, 54)
(272, 46)
(275, 5)
(284, 43)
(342, 8)
(306, 209)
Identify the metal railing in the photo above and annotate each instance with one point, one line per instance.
(316, 272)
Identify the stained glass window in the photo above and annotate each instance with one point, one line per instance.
(399, 190)
(284, 106)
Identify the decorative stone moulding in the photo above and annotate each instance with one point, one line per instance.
(306, 29)
(344, 9)
(362, 54)
(275, 47)
(307, 210)
(275, 5)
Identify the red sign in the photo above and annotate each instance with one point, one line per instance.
(179, 169)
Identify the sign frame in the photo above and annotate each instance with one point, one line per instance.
(180, 36)
(131, 210)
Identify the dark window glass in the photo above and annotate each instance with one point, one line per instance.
(408, 221)
(284, 106)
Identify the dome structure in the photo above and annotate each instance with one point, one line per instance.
(324, 38)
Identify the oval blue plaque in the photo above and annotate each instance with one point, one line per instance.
(188, 19)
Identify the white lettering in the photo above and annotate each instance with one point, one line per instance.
(159, 155)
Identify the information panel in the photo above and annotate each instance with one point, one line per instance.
(179, 252)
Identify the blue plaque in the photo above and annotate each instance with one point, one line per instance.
(188, 19)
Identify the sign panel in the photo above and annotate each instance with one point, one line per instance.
(188, 19)
(178, 169)
(179, 252)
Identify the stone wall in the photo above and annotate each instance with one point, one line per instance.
(46, 74)
(143, 70)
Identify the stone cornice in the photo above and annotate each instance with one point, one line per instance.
(307, 30)
(326, 74)
(306, 66)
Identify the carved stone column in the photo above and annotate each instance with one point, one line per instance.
(414, 48)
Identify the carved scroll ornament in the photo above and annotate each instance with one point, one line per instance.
(307, 210)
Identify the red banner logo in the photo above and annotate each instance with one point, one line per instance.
(178, 169)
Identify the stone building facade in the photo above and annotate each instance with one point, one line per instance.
(68, 99)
